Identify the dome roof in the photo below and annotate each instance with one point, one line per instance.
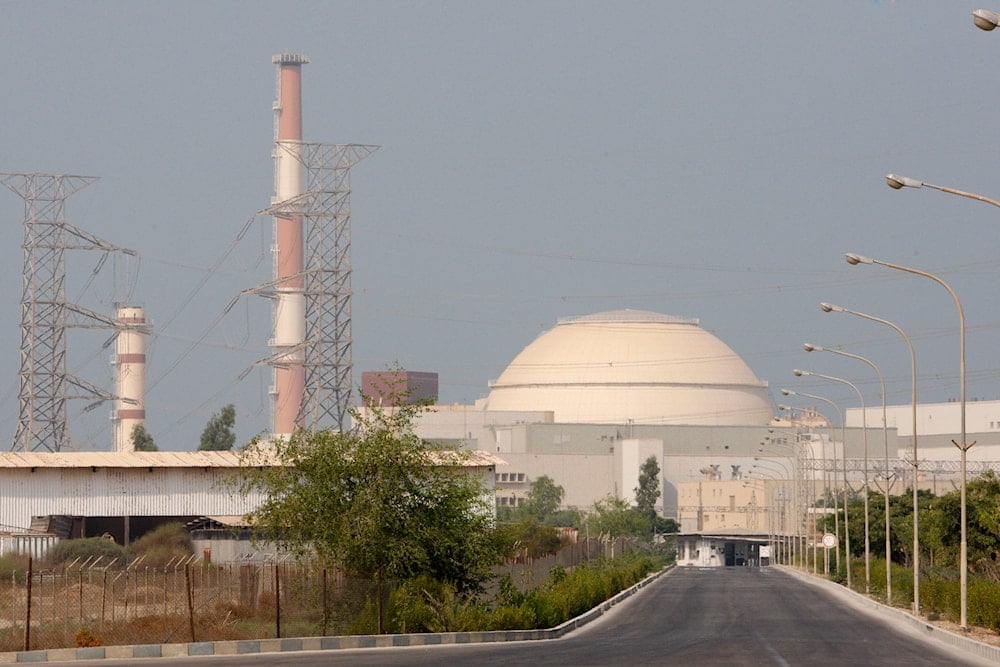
(623, 365)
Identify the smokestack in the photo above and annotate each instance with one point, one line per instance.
(289, 311)
(130, 379)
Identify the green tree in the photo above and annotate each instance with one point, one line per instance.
(543, 499)
(142, 441)
(377, 501)
(648, 491)
(613, 516)
(218, 434)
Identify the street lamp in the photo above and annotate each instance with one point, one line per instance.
(827, 470)
(809, 347)
(773, 494)
(985, 19)
(797, 464)
(843, 452)
(897, 182)
(759, 463)
(963, 446)
(864, 432)
(831, 308)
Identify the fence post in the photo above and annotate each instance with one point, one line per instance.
(190, 601)
(277, 602)
(27, 621)
(326, 606)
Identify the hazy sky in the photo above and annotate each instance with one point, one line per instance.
(539, 160)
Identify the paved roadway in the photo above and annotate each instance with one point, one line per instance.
(721, 616)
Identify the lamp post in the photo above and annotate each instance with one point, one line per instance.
(843, 451)
(963, 446)
(799, 477)
(864, 433)
(760, 464)
(827, 494)
(897, 182)
(765, 464)
(831, 308)
(779, 532)
(984, 19)
(809, 347)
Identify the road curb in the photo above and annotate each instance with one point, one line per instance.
(289, 644)
(922, 627)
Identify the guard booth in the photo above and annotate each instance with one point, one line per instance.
(730, 549)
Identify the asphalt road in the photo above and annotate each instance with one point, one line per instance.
(719, 616)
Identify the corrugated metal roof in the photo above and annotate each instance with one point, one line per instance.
(223, 459)
(119, 460)
(467, 459)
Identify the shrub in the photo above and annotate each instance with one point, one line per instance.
(520, 617)
(13, 565)
(92, 547)
(424, 604)
(84, 638)
(408, 610)
(983, 604)
(166, 543)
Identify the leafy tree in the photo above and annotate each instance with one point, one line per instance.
(942, 526)
(378, 501)
(535, 538)
(543, 499)
(662, 524)
(142, 441)
(613, 516)
(218, 434)
(648, 491)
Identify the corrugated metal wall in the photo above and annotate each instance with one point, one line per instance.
(117, 492)
(35, 546)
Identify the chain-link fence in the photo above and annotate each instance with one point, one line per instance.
(526, 572)
(94, 602)
(90, 604)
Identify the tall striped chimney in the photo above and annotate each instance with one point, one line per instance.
(130, 378)
(289, 310)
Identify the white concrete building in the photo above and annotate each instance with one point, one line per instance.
(588, 401)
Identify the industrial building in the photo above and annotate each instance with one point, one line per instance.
(589, 400)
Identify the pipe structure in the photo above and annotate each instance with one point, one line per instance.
(130, 376)
(810, 347)
(289, 300)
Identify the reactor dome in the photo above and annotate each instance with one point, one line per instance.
(632, 366)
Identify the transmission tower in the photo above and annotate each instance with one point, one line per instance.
(324, 207)
(45, 311)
